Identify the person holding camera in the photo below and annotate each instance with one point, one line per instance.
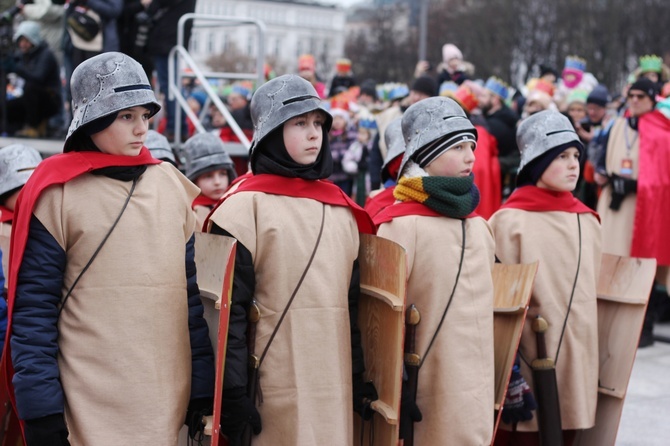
(36, 64)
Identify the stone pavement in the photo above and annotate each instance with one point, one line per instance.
(646, 413)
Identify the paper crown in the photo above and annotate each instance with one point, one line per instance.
(541, 85)
(306, 62)
(651, 63)
(498, 87)
(465, 97)
(448, 87)
(575, 62)
(367, 123)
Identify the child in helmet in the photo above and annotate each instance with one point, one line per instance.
(17, 163)
(542, 221)
(381, 198)
(160, 147)
(291, 225)
(108, 343)
(211, 169)
(450, 256)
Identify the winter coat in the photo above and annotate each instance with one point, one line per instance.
(502, 125)
(552, 238)
(166, 15)
(50, 18)
(130, 339)
(456, 382)
(109, 11)
(306, 378)
(39, 69)
(339, 144)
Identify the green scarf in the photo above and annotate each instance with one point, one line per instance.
(453, 197)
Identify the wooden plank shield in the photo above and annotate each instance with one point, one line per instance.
(215, 261)
(624, 286)
(512, 288)
(383, 267)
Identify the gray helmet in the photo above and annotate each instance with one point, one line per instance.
(159, 146)
(105, 84)
(205, 152)
(395, 145)
(431, 119)
(543, 131)
(279, 100)
(17, 163)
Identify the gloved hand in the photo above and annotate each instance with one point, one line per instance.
(409, 412)
(364, 393)
(197, 409)
(47, 431)
(238, 412)
(621, 187)
(519, 401)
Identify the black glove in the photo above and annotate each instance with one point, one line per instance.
(519, 401)
(620, 188)
(46, 431)
(364, 394)
(409, 412)
(238, 412)
(197, 409)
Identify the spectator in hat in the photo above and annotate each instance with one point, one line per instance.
(340, 138)
(307, 70)
(501, 121)
(634, 204)
(452, 67)
(343, 79)
(36, 64)
(653, 68)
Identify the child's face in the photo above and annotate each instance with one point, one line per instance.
(339, 123)
(563, 172)
(303, 136)
(126, 135)
(363, 135)
(218, 120)
(577, 111)
(455, 162)
(213, 184)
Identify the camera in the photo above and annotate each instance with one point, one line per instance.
(585, 124)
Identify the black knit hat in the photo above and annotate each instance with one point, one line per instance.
(426, 85)
(646, 86)
(532, 172)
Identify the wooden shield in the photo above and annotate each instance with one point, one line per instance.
(512, 288)
(215, 260)
(624, 286)
(383, 266)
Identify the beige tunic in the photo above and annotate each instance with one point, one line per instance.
(617, 226)
(552, 238)
(201, 213)
(456, 382)
(306, 376)
(124, 348)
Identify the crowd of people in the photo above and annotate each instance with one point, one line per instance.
(462, 172)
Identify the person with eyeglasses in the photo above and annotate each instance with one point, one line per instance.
(634, 205)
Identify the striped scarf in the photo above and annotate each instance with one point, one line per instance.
(450, 196)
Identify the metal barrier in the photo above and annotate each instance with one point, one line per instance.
(175, 76)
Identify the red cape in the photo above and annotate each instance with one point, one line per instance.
(405, 208)
(6, 215)
(536, 199)
(380, 202)
(319, 190)
(487, 173)
(651, 238)
(202, 200)
(58, 169)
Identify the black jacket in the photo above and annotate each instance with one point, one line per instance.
(166, 15)
(39, 69)
(502, 125)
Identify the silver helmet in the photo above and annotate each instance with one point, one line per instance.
(431, 119)
(159, 146)
(17, 163)
(395, 144)
(543, 131)
(205, 152)
(279, 100)
(105, 84)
